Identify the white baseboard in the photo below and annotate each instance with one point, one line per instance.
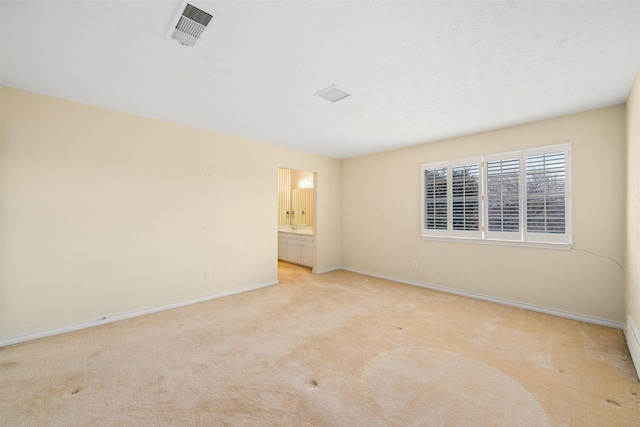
(326, 270)
(525, 306)
(633, 342)
(110, 319)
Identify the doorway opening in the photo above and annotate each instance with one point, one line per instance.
(297, 217)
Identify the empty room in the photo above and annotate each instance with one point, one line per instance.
(319, 213)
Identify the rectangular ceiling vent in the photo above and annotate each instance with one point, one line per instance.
(190, 25)
(332, 93)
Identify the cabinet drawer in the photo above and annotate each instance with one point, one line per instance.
(294, 237)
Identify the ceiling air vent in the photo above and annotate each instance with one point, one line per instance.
(189, 25)
(332, 93)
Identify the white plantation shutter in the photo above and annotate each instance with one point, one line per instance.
(435, 199)
(503, 203)
(522, 197)
(547, 201)
(465, 199)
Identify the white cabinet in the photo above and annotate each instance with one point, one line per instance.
(293, 250)
(306, 252)
(282, 247)
(297, 248)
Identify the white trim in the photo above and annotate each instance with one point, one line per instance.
(633, 342)
(524, 306)
(494, 242)
(110, 319)
(325, 270)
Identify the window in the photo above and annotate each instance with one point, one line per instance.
(503, 196)
(520, 197)
(435, 198)
(546, 193)
(465, 198)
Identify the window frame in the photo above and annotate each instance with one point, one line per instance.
(522, 237)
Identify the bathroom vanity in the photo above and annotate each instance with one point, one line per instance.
(296, 246)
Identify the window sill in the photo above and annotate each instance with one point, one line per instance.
(493, 242)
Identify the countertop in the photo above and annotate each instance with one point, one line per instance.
(304, 231)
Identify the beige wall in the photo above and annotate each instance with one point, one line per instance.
(106, 213)
(381, 220)
(633, 220)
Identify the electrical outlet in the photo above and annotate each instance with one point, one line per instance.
(207, 274)
(414, 265)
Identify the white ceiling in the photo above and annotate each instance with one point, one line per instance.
(417, 71)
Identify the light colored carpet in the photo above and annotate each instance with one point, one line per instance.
(338, 349)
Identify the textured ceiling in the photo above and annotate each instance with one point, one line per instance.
(416, 71)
